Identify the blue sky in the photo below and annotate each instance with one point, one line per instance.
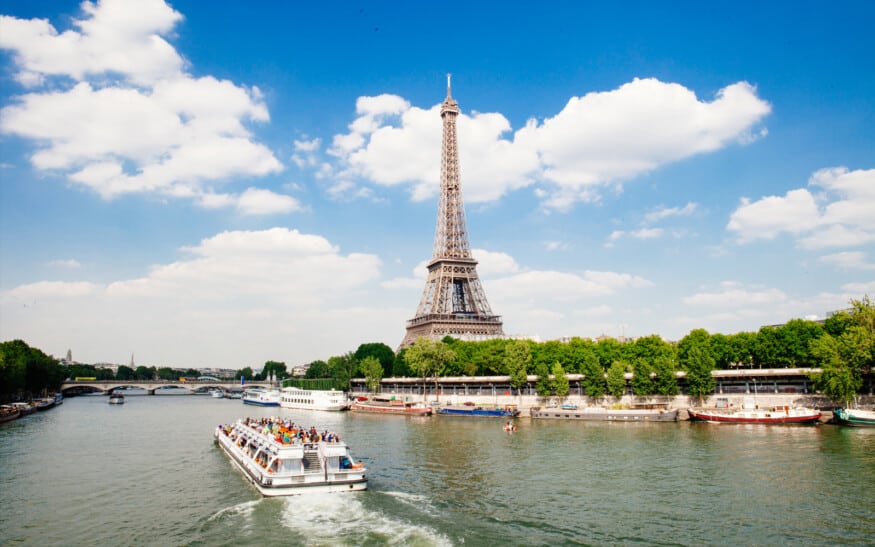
(214, 184)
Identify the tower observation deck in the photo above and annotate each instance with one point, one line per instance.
(453, 302)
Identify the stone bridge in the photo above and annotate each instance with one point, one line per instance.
(150, 386)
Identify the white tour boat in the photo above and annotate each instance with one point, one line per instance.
(261, 397)
(116, 398)
(280, 463)
(313, 399)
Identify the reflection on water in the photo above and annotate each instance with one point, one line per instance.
(147, 472)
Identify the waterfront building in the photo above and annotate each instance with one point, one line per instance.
(453, 302)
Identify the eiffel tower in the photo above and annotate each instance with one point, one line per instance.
(453, 302)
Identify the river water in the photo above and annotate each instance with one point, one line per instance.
(148, 473)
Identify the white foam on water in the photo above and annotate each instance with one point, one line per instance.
(329, 519)
(414, 500)
(243, 509)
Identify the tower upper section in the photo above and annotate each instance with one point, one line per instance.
(451, 234)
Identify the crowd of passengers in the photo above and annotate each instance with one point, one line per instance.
(288, 432)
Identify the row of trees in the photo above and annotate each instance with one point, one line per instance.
(843, 346)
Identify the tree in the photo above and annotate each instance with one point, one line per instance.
(560, 380)
(838, 379)
(317, 369)
(245, 373)
(144, 373)
(593, 376)
(665, 382)
(517, 359)
(699, 366)
(371, 367)
(617, 378)
(381, 352)
(543, 386)
(696, 337)
(642, 383)
(166, 373)
(343, 369)
(428, 358)
(124, 372)
(275, 369)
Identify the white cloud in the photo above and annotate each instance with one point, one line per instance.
(600, 138)
(120, 37)
(255, 201)
(155, 129)
(493, 264)
(556, 246)
(662, 213)
(848, 260)
(737, 298)
(860, 289)
(70, 263)
(840, 216)
(235, 299)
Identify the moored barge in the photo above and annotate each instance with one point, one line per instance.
(601, 414)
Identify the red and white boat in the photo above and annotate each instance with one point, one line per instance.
(390, 406)
(752, 414)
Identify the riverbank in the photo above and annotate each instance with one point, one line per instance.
(680, 402)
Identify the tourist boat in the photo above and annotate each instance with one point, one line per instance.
(506, 411)
(747, 415)
(9, 413)
(116, 398)
(600, 414)
(276, 468)
(313, 399)
(390, 406)
(261, 397)
(854, 417)
(217, 394)
(234, 395)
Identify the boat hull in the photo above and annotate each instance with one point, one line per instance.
(607, 415)
(854, 418)
(479, 412)
(763, 417)
(391, 409)
(255, 402)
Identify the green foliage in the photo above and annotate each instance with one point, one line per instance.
(28, 371)
(837, 323)
(696, 337)
(428, 358)
(642, 383)
(594, 376)
(371, 367)
(665, 382)
(560, 380)
(543, 385)
(741, 348)
(699, 366)
(148, 373)
(517, 360)
(617, 378)
(608, 351)
(379, 351)
(124, 372)
(317, 369)
(245, 372)
(401, 368)
(838, 380)
(343, 369)
(273, 368)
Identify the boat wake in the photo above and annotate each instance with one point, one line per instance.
(420, 503)
(331, 519)
(241, 509)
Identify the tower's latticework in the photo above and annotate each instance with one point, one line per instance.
(453, 302)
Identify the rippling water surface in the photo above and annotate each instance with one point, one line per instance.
(148, 473)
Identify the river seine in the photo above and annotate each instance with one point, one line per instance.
(148, 473)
